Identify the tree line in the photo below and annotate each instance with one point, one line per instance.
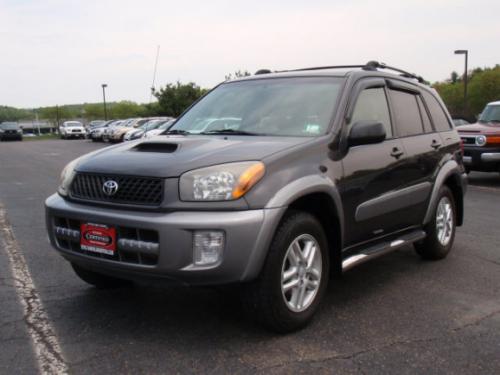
(174, 98)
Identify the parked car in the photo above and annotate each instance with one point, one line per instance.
(160, 127)
(482, 141)
(118, 134)
(460, 122)
(138, 132)
(321, 173)
(10, 131)
(72, 129)
(97, 132)
(108, 131)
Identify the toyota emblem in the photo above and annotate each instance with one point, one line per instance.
(110, 188)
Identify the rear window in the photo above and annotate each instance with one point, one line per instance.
(406, 113)
(439, 117)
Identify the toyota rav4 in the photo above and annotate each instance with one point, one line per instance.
(324, 169)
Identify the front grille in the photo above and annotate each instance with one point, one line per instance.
(76, 131)
(131, 190)
(469, 140)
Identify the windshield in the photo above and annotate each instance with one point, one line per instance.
(283, 107)
(9, 126)
(490, 114)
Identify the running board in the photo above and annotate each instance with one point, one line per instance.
(382, 248)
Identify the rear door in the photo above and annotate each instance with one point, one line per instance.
(422, 145)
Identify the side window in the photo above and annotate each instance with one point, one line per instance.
(425, 116)
(406, 113)
(439, 118)
(372, 106)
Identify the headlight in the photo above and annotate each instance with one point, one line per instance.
(67, 175)
(223, 182)
(19, 131)
(480, 140)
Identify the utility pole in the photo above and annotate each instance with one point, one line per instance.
(466, 53)
(57, 118)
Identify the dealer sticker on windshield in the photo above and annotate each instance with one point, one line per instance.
(98, 238)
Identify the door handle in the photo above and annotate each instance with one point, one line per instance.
(396, 152)
(435, 144)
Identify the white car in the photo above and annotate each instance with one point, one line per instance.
(72, 129)
(161, 127)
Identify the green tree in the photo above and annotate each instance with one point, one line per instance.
(93, 111)
(14, 114)
(174, 98)
(483, 87)
(125, 109)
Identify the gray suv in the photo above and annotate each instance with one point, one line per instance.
(316, 170)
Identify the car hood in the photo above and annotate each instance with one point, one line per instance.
(170, 156)
(480, 128)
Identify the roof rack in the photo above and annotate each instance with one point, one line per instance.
(370, 65)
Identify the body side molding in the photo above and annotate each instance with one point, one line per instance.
(393, 201)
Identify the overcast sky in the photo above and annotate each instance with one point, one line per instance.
(59, 52)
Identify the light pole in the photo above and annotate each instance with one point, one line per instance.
(466, 53)
(104, 85)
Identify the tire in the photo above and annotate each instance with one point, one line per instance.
(98, 280)
(265, 299)
(434, 247)
(62, 136)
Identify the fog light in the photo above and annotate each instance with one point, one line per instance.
(207, 247)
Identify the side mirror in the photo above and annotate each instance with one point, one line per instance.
(366, 132)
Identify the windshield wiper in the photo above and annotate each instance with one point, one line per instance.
(229, 131)
(177, 131)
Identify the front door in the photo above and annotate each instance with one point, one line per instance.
(373, 175)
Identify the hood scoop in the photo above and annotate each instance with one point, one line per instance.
(157, 147)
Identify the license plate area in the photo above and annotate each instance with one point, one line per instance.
(98, 238)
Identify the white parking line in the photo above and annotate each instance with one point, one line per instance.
(46, 347)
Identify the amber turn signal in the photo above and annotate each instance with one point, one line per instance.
(493, 140)
(248, 179)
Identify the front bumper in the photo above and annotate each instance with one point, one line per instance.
(5, 136)
(247, 238)
(75, 135)
(486, 159)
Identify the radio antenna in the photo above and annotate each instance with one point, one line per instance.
(154, 74)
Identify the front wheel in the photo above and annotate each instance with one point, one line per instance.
(294, 278)
(98, 280)
(441, 229)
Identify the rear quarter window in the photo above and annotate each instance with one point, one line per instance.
(439, 117)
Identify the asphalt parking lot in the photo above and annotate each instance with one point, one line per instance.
(395, 315)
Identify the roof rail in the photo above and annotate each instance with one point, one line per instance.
(374, 65)
(370, 65)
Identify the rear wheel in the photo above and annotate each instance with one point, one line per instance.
(98, 280)
(294, 278)
(441, 229)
